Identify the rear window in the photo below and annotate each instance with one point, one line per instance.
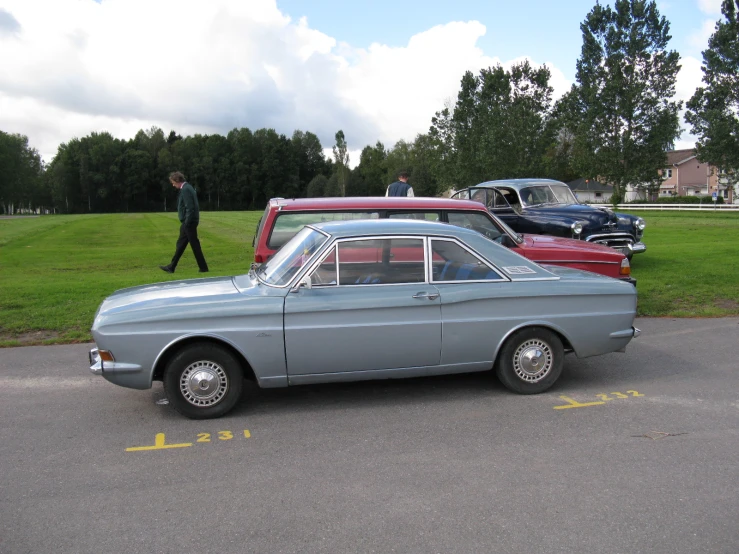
(288, 224)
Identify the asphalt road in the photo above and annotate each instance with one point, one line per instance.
(634, 452)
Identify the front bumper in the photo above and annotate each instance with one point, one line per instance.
(638, 248)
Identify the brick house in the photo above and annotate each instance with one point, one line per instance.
(684, 175)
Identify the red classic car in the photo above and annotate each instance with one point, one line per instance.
(283, 218)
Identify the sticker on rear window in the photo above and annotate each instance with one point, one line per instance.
(518, 270)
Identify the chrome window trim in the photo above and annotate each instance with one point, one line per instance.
(576, 262)
(314, 265)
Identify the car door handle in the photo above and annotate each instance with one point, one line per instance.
(429, 295)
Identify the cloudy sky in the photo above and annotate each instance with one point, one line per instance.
(378, 69)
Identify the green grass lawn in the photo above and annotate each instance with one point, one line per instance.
(55, 270)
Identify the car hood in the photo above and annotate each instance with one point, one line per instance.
(162, 294)
(595, 215)
(557, 247)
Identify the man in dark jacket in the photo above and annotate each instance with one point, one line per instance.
(400, 187)
(189, 214)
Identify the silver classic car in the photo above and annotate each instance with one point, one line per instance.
(364, 299)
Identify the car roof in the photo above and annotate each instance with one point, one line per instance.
(375, 203)
(518, 184)
(355, 227)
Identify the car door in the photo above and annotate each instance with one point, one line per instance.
(504, 203)
(478, 305)
(370, 307)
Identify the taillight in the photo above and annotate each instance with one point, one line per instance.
(258, 258)
(625, 267)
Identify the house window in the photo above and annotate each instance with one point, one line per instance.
(667, 174)
(598, 195)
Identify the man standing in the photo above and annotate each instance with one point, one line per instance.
(189, 214)
(400, 187)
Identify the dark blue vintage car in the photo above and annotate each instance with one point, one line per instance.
(548, 207)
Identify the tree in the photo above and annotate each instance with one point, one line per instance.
(309, 158)
(372, 169)
(625, 81)
(21, 173)
(498, 127)
(713, 111)
(317, 186)
(341, 157)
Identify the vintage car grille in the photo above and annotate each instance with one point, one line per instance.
(617, 241)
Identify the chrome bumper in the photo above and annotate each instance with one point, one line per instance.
(99, 367)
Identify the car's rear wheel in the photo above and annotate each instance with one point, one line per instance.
(203, 381)
(530, 361)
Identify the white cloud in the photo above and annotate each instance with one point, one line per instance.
(711, 7)
(74, 67)
(688, 80)
(699, 39)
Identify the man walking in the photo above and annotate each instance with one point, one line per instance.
(189, 214)
(400, 187)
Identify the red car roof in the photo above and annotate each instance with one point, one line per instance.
(375, 203)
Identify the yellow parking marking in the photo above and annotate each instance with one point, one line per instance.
(158, 444)
(575, 404)
(572, 403)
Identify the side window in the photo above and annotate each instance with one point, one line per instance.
(477, 221)
(452, 262)
(423, 216)
(496, 199)
(325, 273)
(381, 262)
(511, 198)
(462, 195)
(287, 224)
(478, 195)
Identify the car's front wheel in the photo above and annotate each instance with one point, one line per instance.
(203, 381)
(530, 361)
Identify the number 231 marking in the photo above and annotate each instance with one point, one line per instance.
(222, 435)
(605, 397)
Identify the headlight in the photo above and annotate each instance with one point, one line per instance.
(576, 228)
(640, 223)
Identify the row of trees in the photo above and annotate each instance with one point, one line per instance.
(615, 123)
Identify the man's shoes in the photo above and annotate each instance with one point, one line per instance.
(166, 269)
(203, 271)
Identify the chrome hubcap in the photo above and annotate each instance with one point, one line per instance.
(203, 383)
(533, 360)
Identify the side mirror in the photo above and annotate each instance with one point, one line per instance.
(305, 282)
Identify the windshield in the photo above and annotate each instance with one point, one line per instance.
(547, 194)
(287, 261)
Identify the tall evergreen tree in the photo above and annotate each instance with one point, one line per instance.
(498, 127)
(341, 157)
(625, 83)
(713, 111)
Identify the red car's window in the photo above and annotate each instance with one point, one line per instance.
(287, 224)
